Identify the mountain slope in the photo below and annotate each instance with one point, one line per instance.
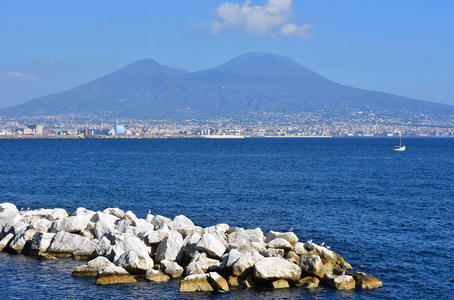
(251, 82)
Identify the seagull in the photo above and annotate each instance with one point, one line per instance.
(322, 244)
(21, 208)
(291, 229)
(310, 241)
(149, 211)
(28, 208)
(327, 247)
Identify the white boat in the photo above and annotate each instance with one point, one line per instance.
(400, 147)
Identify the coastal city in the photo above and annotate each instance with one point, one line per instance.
(320, 122)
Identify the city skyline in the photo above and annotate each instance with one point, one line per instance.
(402, 48)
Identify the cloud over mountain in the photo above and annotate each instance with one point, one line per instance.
(271, 18)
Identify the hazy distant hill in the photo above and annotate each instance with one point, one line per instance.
(252, 82)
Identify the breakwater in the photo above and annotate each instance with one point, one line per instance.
(120, 248)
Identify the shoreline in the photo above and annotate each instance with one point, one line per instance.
(213, 137)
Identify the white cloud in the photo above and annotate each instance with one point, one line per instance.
(17, 75)
(294, 30)
(256, 19)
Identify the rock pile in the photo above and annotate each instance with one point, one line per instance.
(120, 247)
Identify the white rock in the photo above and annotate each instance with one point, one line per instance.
(180, 222)
(8, 207)
(232, 257)
(73, 224)
(21, 239)
(115, 211)
(171, 248)
(288, 236)
(41, 242)
(158, 220)
(7, 222)
(42, 225)
(123, 225)
(211, 245)
(280, 243)
(149, 218)
(66, 243)
(86, 250)
(135, 262)
(103, 248)
(274, 268)
(172, 269)
(98, 216)
(57, 213)
(128, 244)
(246, 236)
(245, 263)
(5, 240)
(300, 249)
(82, 211)
(130, 216)
(104, 225)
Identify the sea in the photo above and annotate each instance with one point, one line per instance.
(389, 214)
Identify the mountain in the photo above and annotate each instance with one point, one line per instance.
(252, 82)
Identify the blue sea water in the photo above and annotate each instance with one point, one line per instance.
(389, 214)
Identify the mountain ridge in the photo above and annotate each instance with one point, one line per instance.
(254, 81)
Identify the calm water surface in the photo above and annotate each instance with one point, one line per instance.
(389, 214)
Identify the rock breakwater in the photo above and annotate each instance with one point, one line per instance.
(122, 248)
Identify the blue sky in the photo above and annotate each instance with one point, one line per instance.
(400, 47)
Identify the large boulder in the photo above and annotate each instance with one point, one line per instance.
(114, 211)
(92, 268)
(129, 243)
(180, 222)
(308, 282)
(195, 283)
(218, 282)
(200, 260)
(238, 236)
(158, 220)
(21, 243)
(85, 251)
(73, 224)
(274, 268)
(244, 265)
(279, 243)
(156, 276)
(7, 223)
(327, 256)
(102, 226)
(171, 248)
(135, 262)
(312, 266)
(339, 282)
(272, 252)
(5, 241)
(211, 245)
(114, 275)
(130, 216)
(280, 284)
(172, 269)
(365, 281)
(232, 257)
(41, 242)
(288, 236)
(65, 243)
(103, 248)
(8, 207)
